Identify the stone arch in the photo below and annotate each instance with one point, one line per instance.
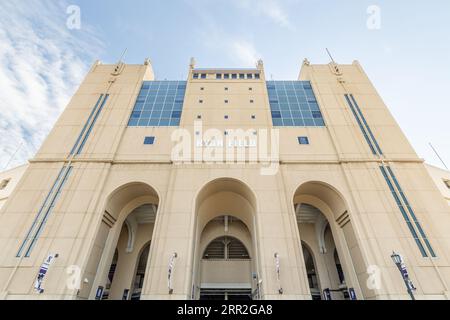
(128, 220)
(218, 203)
(332, 214)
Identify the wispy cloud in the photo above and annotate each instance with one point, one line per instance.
(245, 52)
(41, 64)
(239, 48)
(270, 9)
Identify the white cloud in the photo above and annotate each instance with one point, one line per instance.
(270, 9)
(41, 64)
(244, 52)
(238, 48)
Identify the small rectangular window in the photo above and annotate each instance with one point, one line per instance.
(252, 101)
(195, 76)
(250, 89)
(256, 75)
(226, 117)
(4, 183)
(241, 76)
(226, 76)
(234, 76)
(303, 140)
(203, 76)
(226, 101)
(219, 76)
(202, 88)
(199, 116)
(250, 76)
(447, 183)
(149, 140)
(253, 117)
(200, 101)
(226, 89)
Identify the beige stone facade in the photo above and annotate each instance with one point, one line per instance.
(441, 178)
(130, 220)
(8, 182)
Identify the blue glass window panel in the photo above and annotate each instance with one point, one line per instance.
(319, 122)
(149, 140)
(166, 114)
(291, 97)
(317, 115)
(256, 75)
(133, 122)
(276, 114)
(288, 122)
(135, 114)
(277, 122)
(176, 114)
(142, 122)
(296, 114)
(164, 122)
(156, 101)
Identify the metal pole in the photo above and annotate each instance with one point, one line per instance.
(437, 154)
(410, 292)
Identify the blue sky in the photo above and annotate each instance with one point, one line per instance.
(42, 61)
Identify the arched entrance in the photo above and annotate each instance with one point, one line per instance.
(225, 266)
(327, 235)
(122, 245)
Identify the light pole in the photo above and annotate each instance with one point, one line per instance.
(398, 260)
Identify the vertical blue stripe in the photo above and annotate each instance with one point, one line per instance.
(403, 212)
(411, 211)
(27, 237)
(85, 125)
(360, 125)
(92, 124)
(48, 212)
(366, 124)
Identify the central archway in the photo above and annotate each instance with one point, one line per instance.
(226, 260)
